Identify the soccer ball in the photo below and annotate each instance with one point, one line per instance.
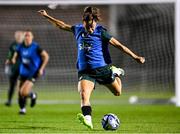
(110, 122)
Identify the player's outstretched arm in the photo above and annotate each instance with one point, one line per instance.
(45, 59)
(118, 45)
(58, 23)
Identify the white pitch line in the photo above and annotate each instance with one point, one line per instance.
(102, 102)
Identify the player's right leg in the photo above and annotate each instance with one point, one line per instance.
(24, 92)
(21, 99)
(85, 88)
(116, 86)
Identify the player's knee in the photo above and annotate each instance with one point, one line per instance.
(23, 93)
(117, 93)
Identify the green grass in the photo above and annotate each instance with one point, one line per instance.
(61, 118)
(101, 93)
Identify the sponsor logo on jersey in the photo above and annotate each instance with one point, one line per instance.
(85, 46)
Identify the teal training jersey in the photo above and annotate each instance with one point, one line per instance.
(93, 51)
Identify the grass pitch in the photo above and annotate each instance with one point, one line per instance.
(61, 118)
(58, 113)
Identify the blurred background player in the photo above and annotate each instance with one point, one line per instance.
(13, 69)
(94, 61)
(33, 62)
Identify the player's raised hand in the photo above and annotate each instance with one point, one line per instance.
(43, 12)
(140, 59)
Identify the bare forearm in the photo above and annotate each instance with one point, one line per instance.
(128, 51)
(123, 48)
(45, 59)
(118, 45)
(58, 23)
(54, 21)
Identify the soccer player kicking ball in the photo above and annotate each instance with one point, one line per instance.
(94, 62)
(33, 61)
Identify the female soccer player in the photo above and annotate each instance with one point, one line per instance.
(94, 62)
(33, 62)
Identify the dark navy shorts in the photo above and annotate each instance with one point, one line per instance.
(30, 78)
(102, 75)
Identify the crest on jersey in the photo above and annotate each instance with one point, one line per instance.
(25, 52)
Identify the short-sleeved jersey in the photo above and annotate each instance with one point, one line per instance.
(30, 59)
(93, 51)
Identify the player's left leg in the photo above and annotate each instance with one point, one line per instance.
(27, 91)
(85, 88)
(21, 99)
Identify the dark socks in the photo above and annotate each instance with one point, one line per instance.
(86, 110)
(22, 102)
